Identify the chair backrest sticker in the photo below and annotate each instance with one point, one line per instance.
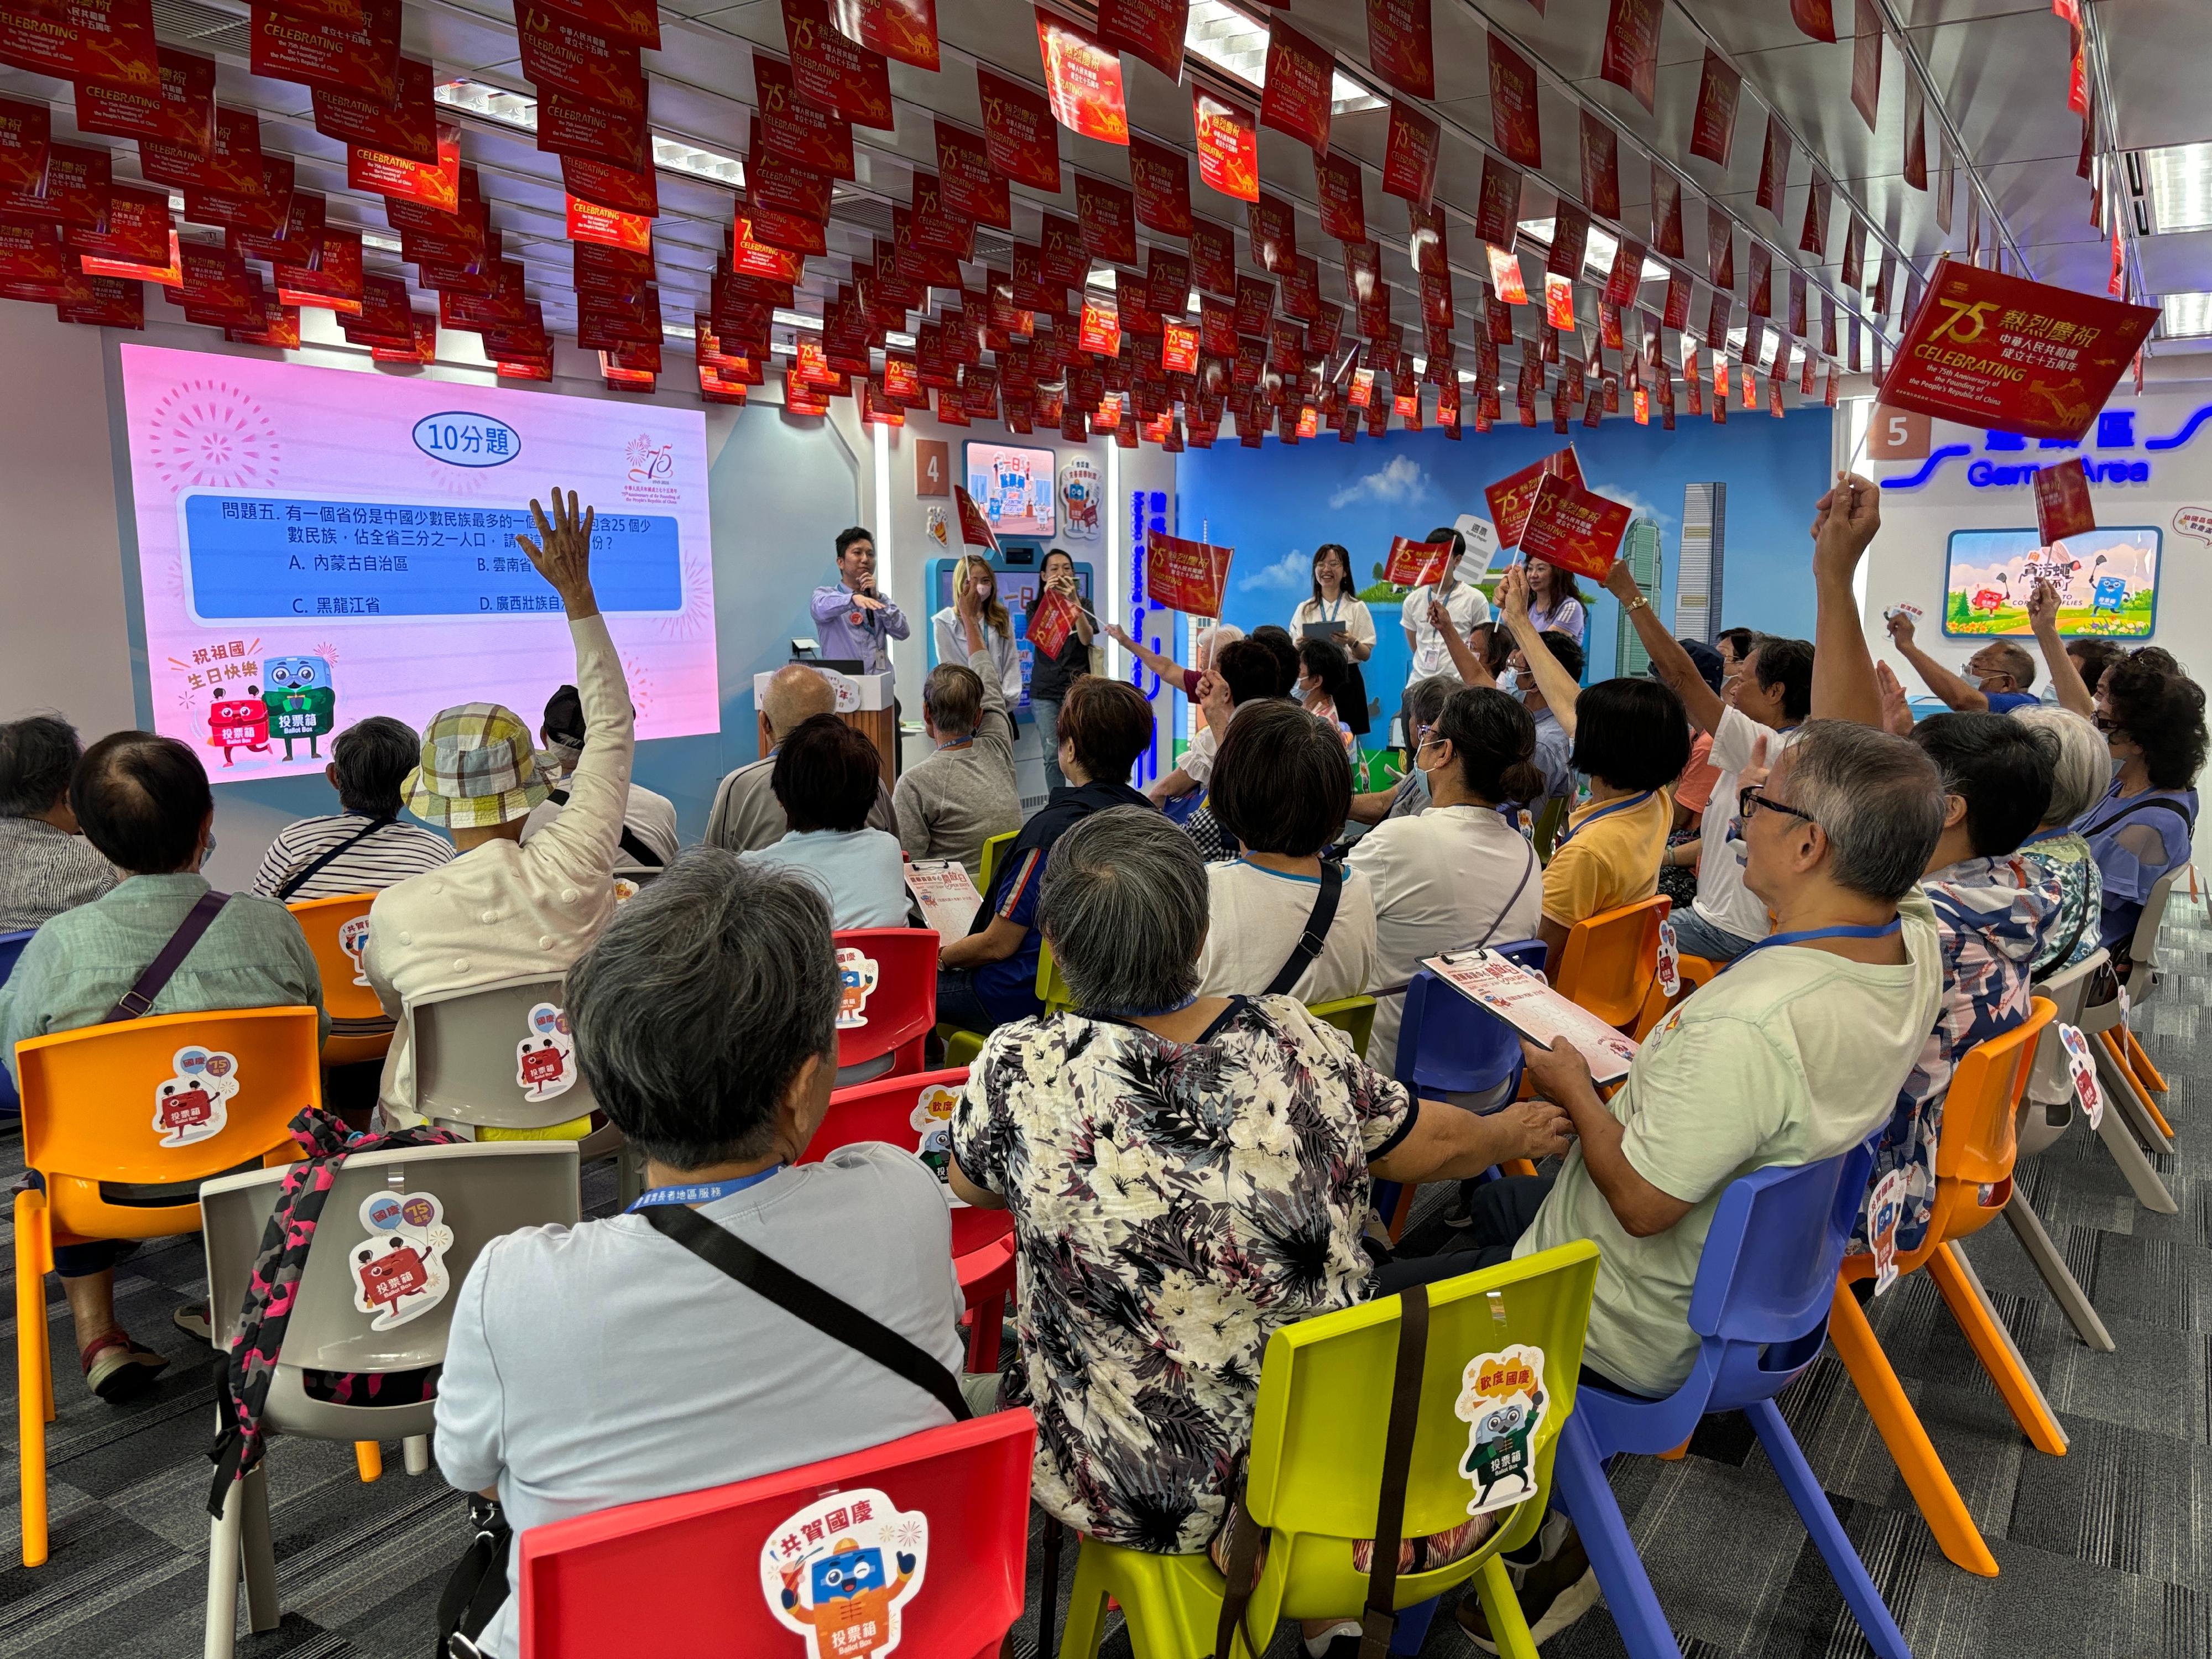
(1502, 1401)
(545, 1060)
(625, 889)
(1884, 1209)
(839, 1570)
(1670, 961)
(2084, 1069)
(399, 1269)
(933, 1119)
(352, 939)
(194, 1104)
(857, 975)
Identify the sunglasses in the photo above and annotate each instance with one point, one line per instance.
(1749, 797)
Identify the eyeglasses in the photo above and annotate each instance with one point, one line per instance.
(1749, 797)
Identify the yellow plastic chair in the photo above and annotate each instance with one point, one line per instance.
(1353, 1016)
(961, 1045)
(360, 1029)
(1974, 1157)
(91, 1097)
(1545, 829)
(1610, 960)
(994, 848)
(1316, 1466)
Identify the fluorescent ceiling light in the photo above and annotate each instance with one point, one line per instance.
(1237, 43)
(796, 320)
(897, 340)
(2185, 316)
(1597, 253)
(2179, 179)
(677, 331)
(519, 111)
(682, 155)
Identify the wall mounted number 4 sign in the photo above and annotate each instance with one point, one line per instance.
(546, 1059)
(399, 1269)
(839, 1570)
(1502, 1401)
(856, 982)
(192, 1105)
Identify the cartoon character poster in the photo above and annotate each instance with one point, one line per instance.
(544, 1060)
(2107, 582)
(1081, 491)
(193, 1104)
(1502, 1401)
(236, 723)
(839, 1572)
(1884, 1209)
(857, 975)
(301, 705)
(399, 1269)
(352, 939)
(931, 1120)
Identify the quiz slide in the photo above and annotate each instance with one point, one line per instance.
(318, 545)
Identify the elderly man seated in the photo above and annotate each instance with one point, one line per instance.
(45, 866)
(600, 1365)
(504, 908)
(964, 793)
(1150, 1276)
(362, 848)
(144, 803)
(746, 815)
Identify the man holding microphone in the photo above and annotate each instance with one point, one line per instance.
(852, 621)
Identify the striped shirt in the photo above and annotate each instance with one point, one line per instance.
(390, 854)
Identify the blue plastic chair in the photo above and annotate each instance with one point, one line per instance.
(1760, 1304)
(11, 947)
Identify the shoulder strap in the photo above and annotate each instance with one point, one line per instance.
(299, 877)
(1379, 1621)
(139, 998)
(1315, 935)
(1506, 909)
(2172, 806)
(836, 1319)
(639, 853)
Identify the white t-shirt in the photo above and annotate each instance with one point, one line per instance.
(1793, 1056)
(1465, 607)
(1257, 916)
(1444, 879)
(1722, 899)
(648, 816)
(951, 638)
(1359, 623)
(1198, 759)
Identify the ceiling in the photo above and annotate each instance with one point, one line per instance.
(1995, 72)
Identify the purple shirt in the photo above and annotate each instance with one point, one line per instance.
(845, 630)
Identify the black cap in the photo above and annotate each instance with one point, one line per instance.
(1706, 660)
(564, 718)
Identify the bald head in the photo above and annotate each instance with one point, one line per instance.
(796, 693)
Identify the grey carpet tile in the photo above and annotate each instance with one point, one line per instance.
(2106, 1551)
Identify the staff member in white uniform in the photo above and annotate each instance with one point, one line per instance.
(975, 573)
(1334, 601)
(1462, 601)
(1457, 875)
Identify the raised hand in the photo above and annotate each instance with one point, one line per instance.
(1620, 582)
(1901, 628)
(1896, 712)
(1439, 618)
(562, 551)
(1845, 523)
(2042, 606)
(1513, 593)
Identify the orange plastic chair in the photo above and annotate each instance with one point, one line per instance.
(1693, 972)
(890, 1000)
(1973, 1179)
(915, 1111)
(1610, 960)
(338, 933)
(140, 1104)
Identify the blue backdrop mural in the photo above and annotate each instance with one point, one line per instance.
(1274, 504)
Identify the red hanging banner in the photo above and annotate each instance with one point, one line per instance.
(179, 112)
(1152, 30)
(108, 40)
(1107, 215)
(25, 131)
(362, 60)
(637, 22)
(1513, 118)
(407, 129)
(1601, 168)
(1409, 157)
(1083, 77)
(1339, 187)
(1401, 46)
(1774, 166)
(1498, 209)
(1712, 128)
(1295, 99)
(904, 29)
(1161, 179)
(1573, 529)
(1185, 576)
(1814, 238)
(1228, 139)
(1019, 132)
(438, 186)
(1866, 60)
(1815, 19)
(590, 222)
(804, 130)
(1666, 213)
(1212, 258)
(559, 52)
(827, 68)
(1632, 48)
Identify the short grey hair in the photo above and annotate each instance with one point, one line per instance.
(700, 1003)
(2084, 766)
(1877, 797)
(1124, 907)
(1427, 698)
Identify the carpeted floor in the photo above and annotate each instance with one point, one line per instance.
(2099, 1550)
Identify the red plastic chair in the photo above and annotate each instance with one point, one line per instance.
(914, 1110)
(890, 1000)
(706, 1572)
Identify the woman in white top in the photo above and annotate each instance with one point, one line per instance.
(974, 572)
(1556, 605)
(1282, 787)
(1334, 601)
(1457, 875)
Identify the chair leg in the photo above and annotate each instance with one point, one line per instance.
(368, 1458)
(1579, 1480)
(1925, 1477)
(2121, 1090)
(1086, 1608)
(415, 1450)
(34, 1375)
(1827, 1532)
(1508, 1626)
(225, 1537)
(1961, 1288)
(2139, 1062)
(258, 1552)
(1048, 1594)
(2065, 1289)
(2148, 1186)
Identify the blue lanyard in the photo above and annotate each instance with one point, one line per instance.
(1891, 926)
(956, 743)
(704, 1192)
(2048, 834)
(1568, 832)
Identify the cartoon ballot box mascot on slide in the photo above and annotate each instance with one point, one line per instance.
(852, 1600)
(300, 702)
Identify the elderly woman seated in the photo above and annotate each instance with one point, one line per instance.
(599, 1364)
(1187, 1174)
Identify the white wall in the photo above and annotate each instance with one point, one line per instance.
(1909, 558)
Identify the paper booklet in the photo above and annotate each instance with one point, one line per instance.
(1532, 1007)
(948, 898)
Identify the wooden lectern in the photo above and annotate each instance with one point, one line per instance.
(865, 703)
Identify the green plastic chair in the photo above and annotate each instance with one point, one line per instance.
(1353, 1016)
(961, 1045)
(1317, 1465)
(1548, 823)
(992, 849)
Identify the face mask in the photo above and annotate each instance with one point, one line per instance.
(1509, 682)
